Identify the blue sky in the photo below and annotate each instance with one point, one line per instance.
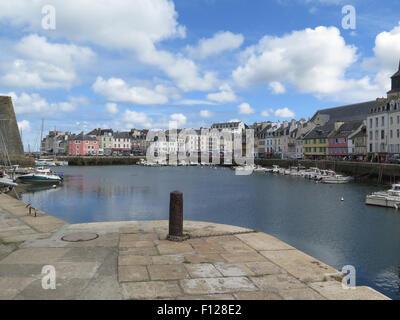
(144, 63)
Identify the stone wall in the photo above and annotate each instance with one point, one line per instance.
(361, 171)
(9, 132)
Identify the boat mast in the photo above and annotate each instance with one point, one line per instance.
(41, 137)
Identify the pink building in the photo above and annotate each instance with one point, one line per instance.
(82, 145)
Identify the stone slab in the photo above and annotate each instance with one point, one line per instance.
(151, 290)
(132, 273)
(202, 270)
(301, 265)
(333, 290)
(262, 241)
(167, 272)
(217, 285)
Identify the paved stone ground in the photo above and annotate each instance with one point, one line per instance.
(132, 260)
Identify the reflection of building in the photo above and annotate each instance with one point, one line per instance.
(10, 139)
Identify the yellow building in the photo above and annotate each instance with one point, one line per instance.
(315, 143)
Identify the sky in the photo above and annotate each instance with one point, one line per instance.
(126, 64)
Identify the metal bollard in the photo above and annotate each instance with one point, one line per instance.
(176, 217)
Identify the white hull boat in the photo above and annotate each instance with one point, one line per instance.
(337, 179)
(389, 199)
(39, 178)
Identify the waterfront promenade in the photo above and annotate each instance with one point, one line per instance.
(132, 260)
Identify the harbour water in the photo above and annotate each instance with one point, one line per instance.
(309, 216)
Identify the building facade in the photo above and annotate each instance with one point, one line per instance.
(82, 145)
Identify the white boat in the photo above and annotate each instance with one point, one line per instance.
(244, 170)
(336, 179)
(42, 170)
(259, 169)
(45, 162)
(7, 182)
(275, 169)
(390, 198)
(40, 178)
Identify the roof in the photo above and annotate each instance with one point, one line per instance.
(122, 135)
(81, 136)
(227, 124)
(99, 132)
(397, 74)
(347, 128)
(352, 112)
(321, 132)
(362, 133)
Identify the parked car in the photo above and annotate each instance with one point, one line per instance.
(394, 159)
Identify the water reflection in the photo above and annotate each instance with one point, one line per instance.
(308, 216)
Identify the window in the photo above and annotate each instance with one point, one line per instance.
(370, 122)
(382, 134)
(370, 135)
(398, 133)
(376, 122)
(383, 121)
(391, 134)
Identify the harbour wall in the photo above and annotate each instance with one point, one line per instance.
(379, 173)
(99, 161)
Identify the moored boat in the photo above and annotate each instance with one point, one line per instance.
(336, 179)
(37, 177)
(389, 199)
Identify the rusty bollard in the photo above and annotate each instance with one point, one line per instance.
(176, 217)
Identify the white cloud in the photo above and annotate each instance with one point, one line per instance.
(178, 118)
(42, 64)
(205, 114)
(116, 89)
(284, 113)
(245, 108)
(277, 87)
(133, 25)
(24, 125)
(221, 41)
(265, 113)
(194, 102)
(112, 108)
(387, 54)
(34, 104)
(226, 94)
(124, 24)
(133, 118)
(313, 60)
